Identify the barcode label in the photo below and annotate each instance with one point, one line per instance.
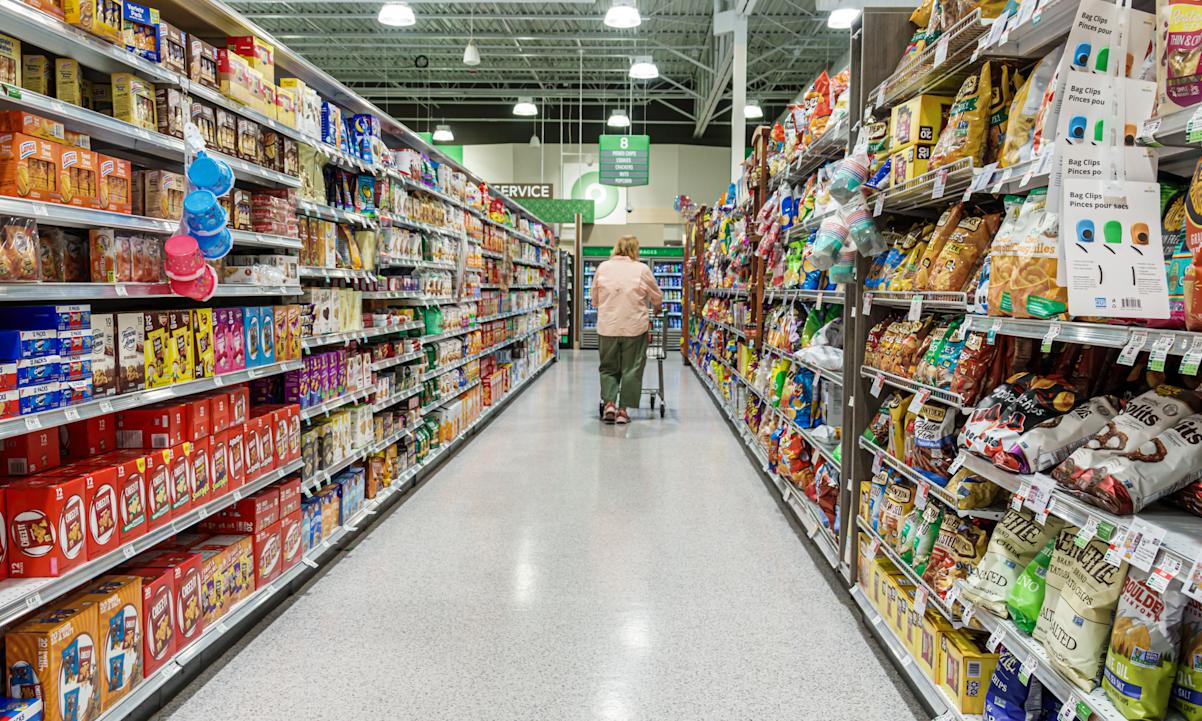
(1132, 303)
(974, 669)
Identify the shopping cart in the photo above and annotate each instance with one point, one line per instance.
(657, 350)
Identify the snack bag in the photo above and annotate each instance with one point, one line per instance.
(1141, 662)
(944, 229)
(1050, 442)
(1077, 635)
(959, 548)
(926, 532)
(1022, 402)
(962, 252)
(1015, 541)
(934, 434)
(1187, 690)
(1027, 596)
(1179, 72)
(971, 366)
(973, 491)
(897, 504)
(1009, 697)
(964, 136)
(1063, 556)
(1021, 119)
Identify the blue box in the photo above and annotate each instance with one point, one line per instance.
(19, 344)
(45, 397)
(20, 709)
(75, 369)
(36, 371)
(252, 337)
(331, 123)
(140, 28)
(77, 391)
(266, 335)
(77, 342)
(47, 317)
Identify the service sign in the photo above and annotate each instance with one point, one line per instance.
(518, 191)
(625, 160)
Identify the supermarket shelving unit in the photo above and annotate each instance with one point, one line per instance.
(567, 297)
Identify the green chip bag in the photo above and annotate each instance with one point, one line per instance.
(905, 539)
(1026, 598)
(925, 535)
(1141, 660)
(1187, 691)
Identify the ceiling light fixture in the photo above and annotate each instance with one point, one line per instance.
(471, 54)
(623, 14)
(397, 15)
(842, 18)
(643, 68)
(443, 134)
(525, 106)
(534, 141)
(752, 110)
(618, 119)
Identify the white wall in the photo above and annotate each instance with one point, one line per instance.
(697, 171)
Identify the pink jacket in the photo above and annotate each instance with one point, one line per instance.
(622, 290)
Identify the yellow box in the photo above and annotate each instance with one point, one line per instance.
(183, 346)
(909, 163)
(68, 81)
(102, 18)
(202, 331)
(134, 101)
(864, 567)
(964, 671)
(285, 106)
(903, 604)
(865, 497)
(10, 60)
(927, 645)
(35, 74)
(918, 120)
(259, 55)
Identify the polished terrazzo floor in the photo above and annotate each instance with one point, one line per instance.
(561, 569)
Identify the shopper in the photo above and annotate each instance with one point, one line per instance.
(623, 288)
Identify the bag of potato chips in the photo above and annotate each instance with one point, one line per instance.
(967, 122)
(1187, 691)
(1015, 541)
(1077, 635)
(1062, 559)
(1142, 661)
(1027, 597)
(959, 548)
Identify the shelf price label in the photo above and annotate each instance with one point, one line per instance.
(957, 464)
(970, 610)
(878, 461)
(920, 496)
(995, 638)
(920, 399)
(920, 600)
(1020, 496)
(879, 206)
(1163, 573)
(939, 185)
(868, 304)
(994, 328)
(1086, 532)
(1141, 544)
(1049, 337)
(878, 384)
(953, 595)
(1192, 358)
(915, 307)
(1030, 663)
(1193, 581)
(1039, 495)
(1160, 353)
(940, 52)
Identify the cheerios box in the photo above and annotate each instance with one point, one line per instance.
(965, 668)
(46, 526)
(118, 603)
(55, 656)
(29, 167)
(159, 637)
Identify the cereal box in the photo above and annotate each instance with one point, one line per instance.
(118, 602)
(130, 352)
(10, 60)
(54, 657)
(134, 101)
(285, 106)
(80, 182)
(159, 349)
(46, 520)
(183, 360)
(202, 331)
(29, 167)
(115, 193)
(35, 74)
(158, 616)
(99, 17)
(68, 85)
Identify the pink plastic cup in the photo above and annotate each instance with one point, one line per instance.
(200, 288)
(182, 258)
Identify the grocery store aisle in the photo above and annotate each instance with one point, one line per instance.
(557, 568)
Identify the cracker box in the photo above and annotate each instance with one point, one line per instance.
(248, 140)
(279, 315)
(68, 81)
(160, 493)
(265, 431)
(31, 453)
(10, 60)
(227, 131)
(174, 45)
(140, 29)
(219, 478)
(918, 120)
(219, 410)
(239, 399)
(291, 538)
(268, 555)
(102, 97)
(202, 63)
(118, 602)
(252, 447)
(966, 670)
(294, 332)
(234, 74)
(197, 423)
(103, 508)
(285, 106)
(169, 111)
(235, 339)
(187, 576)
(35, 74)
(80, 181)
(159, 349)
(236, 455)
(909, 164)
(46, 526)
(115, 193)
(133, 101)
(164, 194)
(77, 139)
(201, 473)
(159, 426)
(267, 338)
(183, 343)
(206, 122)
(158, 616)
(179, 460)
(260, 55)
(130, 467)
(55, 656)
(102, 18)
(929, 641)
(229, 564)
(19, 121)
(29, 167)
(202, 333)
(87, 438)
(130, 352)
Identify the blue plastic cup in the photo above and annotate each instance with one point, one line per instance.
(203, 213)
(211, 174)
(215, 245)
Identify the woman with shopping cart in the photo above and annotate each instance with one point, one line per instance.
(622, 290)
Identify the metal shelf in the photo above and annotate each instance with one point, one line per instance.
(933, 599)
(19, 596)
(43, 292)
(331, 404)
(435, 405)
(311, 272)
(725, 326)
(1178, 342)
(831, 145)
(70, 216)
(251, 239)
(392, 295)
(356, 335)
(103, 406)
(397, 360)
(321, 476)
(934, 490)
(817, 296)
(1031, 32)
(825, 450)
(338, 215)
(726, 292)
(395, 398)
(936, 394)
(939, 68)
(930, 300)
(920, 193)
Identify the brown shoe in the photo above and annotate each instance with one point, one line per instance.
(610, 413)
(622, 418)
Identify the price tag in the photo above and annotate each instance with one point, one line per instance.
(169, 670)
(71, 414)
(32, 423)
(879, 206)
(970, 610)
(1160, 353)
(878, 461)
(920, 600)
(33, 600)
(1142, 543)
(1004, 178)
(915, 307)
(1163, 573)
(953, 595)
(1026, 11)
(1068, 709)
(878, 384)
(939, 185)
(868, 304)
(994, 328)
(1053, 331)
(1193, 128)
(106, 407)
(995, 638)
(1147, 132)
(1193, 581)
(218, 381)
(1020, 496)
(222, 628)
(940, 52)
(920, 398)
(1039, 494)
(920, 496)
(121, 290)
(309, 562)
(957, 464)
(127, 551)
(1086, 533)
(202, 513)
(995, 31)
(1030, 663)
(880, 95)
(874, 547)
(1192, 358)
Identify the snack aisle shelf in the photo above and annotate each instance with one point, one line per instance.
(942, 66)
(48, 291)
(947, 398)
(933, 600)
(20, 596)
(356, 335)
(331, 404)
(310, 272)
(826, 450)
(395, 398)
(934, 490)
(397, 360)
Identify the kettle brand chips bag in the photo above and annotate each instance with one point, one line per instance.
(1027, 597)
(1080, 626)
(1187, 691)
(1142, 661)
(1054, 580)
(1015, 541)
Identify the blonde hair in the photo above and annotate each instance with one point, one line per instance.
(628, 245)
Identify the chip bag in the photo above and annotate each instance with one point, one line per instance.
(959, 548)
(1080, 627)
(964, 136)
(1141, 662)
(1016, 540)
(1027, 596)
(1187, 691)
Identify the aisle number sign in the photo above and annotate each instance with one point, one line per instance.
(625, 160)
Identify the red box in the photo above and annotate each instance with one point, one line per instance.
(291, 540)
(130, 467)
(160, 492)
(235, 455)
(151, 427)
(179, 459)
(239, 400)
(188, 587)
(252, 448)
(219, 410)
(84, 439)
(196, 418)
(250, 515)
(100, 499)
(290, 495)
(4, 540)
(201, 474)
(46, 526)
(219, 465)
(30, 453)
(268, 555)
(158, 615)
(266, 433)
(281, 420)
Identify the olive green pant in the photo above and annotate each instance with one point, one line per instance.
(622, 361)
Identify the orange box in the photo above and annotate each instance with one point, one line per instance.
(115, 191)
(151, 427)
(55, 657)
(118, 602)
(196, 418)
(29, 167)
(268, 555)
(80, 181)
(257, 53)
(19, 121)
(219, 411)
(187, 575)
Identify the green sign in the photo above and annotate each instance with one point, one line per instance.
(554, 210)
(625, 160)
(661, 252)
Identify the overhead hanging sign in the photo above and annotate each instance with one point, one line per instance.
(625, 160)
(518, 191)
